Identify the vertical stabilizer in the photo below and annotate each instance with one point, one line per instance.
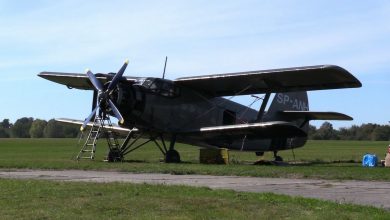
(292, 101)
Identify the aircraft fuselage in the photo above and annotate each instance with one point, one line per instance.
(170, 110)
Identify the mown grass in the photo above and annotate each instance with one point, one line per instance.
(32, 199)
(318, 159)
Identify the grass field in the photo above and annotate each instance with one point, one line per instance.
(26, 199)
(31, 199)
(319, 159)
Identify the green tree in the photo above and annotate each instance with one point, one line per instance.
(53, 130)
(3, 133)
(5, 126)
(365, 131)
(37, 127)
(381, 133)
(21, 128)
(312, 131)
(348, 133)
(56, 129)
(70, 131)
(326, 132)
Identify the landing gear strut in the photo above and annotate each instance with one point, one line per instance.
(277, 158)
(171, 155)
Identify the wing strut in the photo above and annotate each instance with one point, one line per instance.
(262, 107)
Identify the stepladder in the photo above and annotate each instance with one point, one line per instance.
(100, 128)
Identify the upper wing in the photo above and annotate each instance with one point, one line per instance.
(260, 130)
(77, 80)
(309, 115)
(274, 80)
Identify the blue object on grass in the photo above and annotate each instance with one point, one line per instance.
(369, 160)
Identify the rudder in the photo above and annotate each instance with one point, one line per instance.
(291, 101)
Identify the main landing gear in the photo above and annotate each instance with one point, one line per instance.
(277, 158)
(170, 155)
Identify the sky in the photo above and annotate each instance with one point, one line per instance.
(199, 37)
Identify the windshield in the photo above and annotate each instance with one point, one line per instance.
(161, 87)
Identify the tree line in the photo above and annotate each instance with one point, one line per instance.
(370, 132)
(28, 127)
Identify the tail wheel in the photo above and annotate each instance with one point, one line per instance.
(172, 156)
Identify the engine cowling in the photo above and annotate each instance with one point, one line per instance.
(129, 99)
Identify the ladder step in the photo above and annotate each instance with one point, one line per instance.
(99, 125)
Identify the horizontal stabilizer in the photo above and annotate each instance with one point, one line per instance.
(78, 80)
(272, 81)
(115, 128)
(260, 130)
(309, 115)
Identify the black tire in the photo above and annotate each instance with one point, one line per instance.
(278, 159)
(259, 153)
(114, 156)
(172, 156)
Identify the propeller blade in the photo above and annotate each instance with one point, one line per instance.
(116, 112)
(118, 76)
(93, 113)
(95, 82)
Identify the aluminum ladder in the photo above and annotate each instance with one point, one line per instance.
(101, 125)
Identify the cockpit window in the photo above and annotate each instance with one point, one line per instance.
(160, 86)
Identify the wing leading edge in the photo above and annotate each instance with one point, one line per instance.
(78, 80)
(275, 80)
(120, 130)
(260, 130)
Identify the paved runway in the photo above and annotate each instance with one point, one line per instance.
(358, 192)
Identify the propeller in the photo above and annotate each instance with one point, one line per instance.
(104, 101)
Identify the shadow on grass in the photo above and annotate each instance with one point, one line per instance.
(150, 162)
(132, 161)
(308, 163)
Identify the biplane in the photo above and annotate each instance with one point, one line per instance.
(197, 111)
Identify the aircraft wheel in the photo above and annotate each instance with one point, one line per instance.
(114, 156)
(278, 159)
(172, 156)
(259, 153)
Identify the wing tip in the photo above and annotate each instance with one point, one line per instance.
(353, 81)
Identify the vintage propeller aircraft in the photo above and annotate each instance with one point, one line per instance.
(192, 110)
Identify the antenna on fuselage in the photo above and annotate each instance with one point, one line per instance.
(165, 66)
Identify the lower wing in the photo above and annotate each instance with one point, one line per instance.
(262, 130)
(115, 128)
